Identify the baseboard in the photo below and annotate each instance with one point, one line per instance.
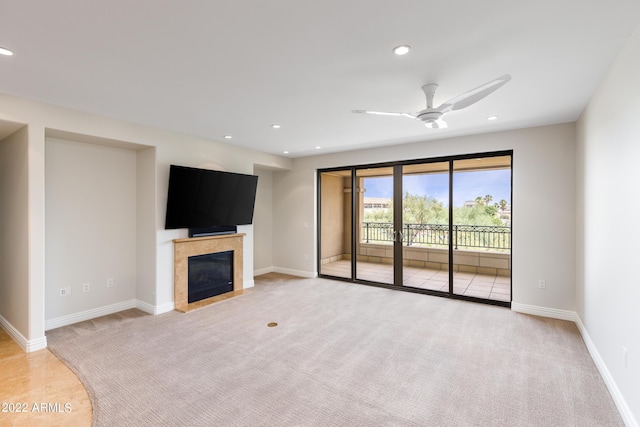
(621, 404)
(164, 308)
(27, 345)
(299, 273)
(261, 271)
(619, 400)
(292, 272)
(89, 314)
(37, 344)
(146, 307)
(154, 309)
(553, 313)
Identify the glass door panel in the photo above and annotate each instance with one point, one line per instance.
(425, 226)
(481, 231)
(335, 223)
(375, 225)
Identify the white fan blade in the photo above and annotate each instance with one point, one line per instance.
(383, 113)
(474, 95)
(437, 124)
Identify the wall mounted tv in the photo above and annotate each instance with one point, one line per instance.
(200, 198)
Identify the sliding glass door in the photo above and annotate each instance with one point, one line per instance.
(482, 227)
(440, 226)
(425, 226)
(376, 231)
(335, 223)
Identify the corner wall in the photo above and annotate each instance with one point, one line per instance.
(263, 223)
(14, 229)
(608, 174)
(146, 195)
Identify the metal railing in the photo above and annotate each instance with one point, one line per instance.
(465, 236)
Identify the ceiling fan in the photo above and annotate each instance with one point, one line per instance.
(433, 117)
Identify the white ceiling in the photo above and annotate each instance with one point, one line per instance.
(211, 68)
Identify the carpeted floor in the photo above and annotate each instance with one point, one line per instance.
(341, 355)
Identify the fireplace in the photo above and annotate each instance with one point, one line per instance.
(207, 270)
(210, 275)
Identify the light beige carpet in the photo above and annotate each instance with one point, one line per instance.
(341, 355)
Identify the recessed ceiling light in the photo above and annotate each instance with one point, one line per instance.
(5, 51)
(275, 126)
(228, 137)
(492, 118)
(317, 148)
(401, 50)
(285, 152)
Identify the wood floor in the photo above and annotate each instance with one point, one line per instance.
(37, 389)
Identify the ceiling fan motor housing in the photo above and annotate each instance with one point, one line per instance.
(429, 116)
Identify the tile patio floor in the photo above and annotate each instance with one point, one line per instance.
(496, 288)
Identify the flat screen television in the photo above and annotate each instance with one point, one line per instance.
(200, 198)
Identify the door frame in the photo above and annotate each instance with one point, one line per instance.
(397, 221)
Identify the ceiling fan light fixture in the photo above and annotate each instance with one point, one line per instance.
(401, 50)
(436, 124)
(6, 52)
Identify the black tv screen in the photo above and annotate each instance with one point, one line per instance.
(208, 198)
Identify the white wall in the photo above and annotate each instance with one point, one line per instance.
(14, 254)
(146, 194)
(294, 204)
(170, 148)
(543, 206)
(263, 223)
(607, 216)
(90, 226)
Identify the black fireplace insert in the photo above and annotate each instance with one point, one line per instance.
(210, 275)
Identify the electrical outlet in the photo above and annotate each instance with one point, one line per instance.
(542, 283)
(86, 287)
(66, 291)
(109, 283)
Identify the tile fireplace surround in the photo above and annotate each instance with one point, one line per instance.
(184, 248)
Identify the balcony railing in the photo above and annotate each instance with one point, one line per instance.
(464, 236)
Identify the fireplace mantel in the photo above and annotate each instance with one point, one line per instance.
(184, 248)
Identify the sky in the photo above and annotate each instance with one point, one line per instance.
(466, 186)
